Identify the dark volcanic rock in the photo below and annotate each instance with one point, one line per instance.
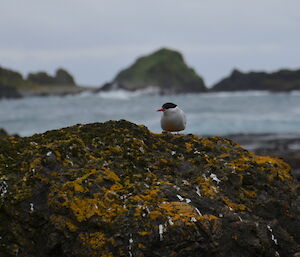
(164, 70)
(283, 80)
(116, 189)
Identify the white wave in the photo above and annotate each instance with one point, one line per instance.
(295, 92)
(85, 94)
(238, 93)
(125, 95)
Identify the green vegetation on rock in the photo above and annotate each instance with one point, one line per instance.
(116, 189)
(62, 77)
(283, 80)
(10, 77)
(164, 69)
(13, 85)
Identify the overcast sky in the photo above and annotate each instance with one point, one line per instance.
(95, 39)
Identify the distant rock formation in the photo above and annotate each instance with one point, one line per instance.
(13, 85)
(9, 82)
(164, 70)
(3, 133)
(9, 92)
(62, 77)
(116, 189)
(283, 80)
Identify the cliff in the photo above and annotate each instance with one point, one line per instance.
(116, 189)
(283, 80)
(164, 70)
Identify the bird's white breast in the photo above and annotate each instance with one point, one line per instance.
(173, 119)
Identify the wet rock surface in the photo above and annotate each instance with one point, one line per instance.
(116, 189)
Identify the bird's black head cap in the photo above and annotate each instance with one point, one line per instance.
(169, 105)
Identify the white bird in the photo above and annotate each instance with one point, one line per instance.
(173, 118)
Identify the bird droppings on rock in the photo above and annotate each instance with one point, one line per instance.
(98, 194)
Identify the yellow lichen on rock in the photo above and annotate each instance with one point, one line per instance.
(180, 212)
(110, 175)
(97, 242)
(188, 147)
(279, 168)
(208, 187)
(247, 193)
(116, 189)
(234, 206)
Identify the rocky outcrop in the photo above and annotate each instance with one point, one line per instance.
(164, 70)
(3, 133)
(283, 80)
(62, 77)
(13, 85)
(116, 189)
(9, 92)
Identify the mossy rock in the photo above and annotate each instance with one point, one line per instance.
(164, 69)
(62, 77)
(116, 189)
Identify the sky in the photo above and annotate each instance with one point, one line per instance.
(95, 39)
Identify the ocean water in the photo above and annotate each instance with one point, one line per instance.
(207, 114)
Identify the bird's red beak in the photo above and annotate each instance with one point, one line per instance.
(161, 110)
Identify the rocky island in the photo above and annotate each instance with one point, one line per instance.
(116, 189)
(14, 85)
(164, 70)
(283, 80)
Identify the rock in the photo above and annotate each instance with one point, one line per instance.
(9, 80)
(285, 146)
(13, 85)
(63, 77)
(3, 133)
(9, 92)
(41, 78)
(283, 80)
(164, 70)
(116, 189)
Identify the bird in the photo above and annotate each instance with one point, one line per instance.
(173, 118)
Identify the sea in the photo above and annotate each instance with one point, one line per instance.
(221, 113)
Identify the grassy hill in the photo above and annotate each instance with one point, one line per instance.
(164, 69)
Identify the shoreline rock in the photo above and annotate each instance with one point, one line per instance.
(282, 80)
(116, 189)
(14, 86)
